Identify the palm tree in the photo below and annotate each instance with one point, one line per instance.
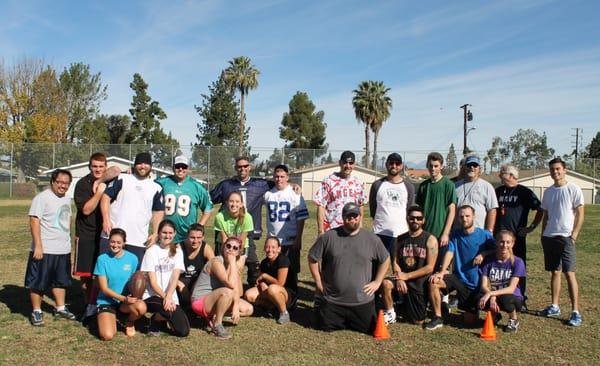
(372, 107)
(241, 76)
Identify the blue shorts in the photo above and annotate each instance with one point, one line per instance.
(53, 270)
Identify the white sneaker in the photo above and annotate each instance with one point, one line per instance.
(389, 316)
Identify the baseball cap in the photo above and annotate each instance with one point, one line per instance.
(143, 157)
(180, 159)
(350, 208)
(347, 157)
(473, 159)
(394, 157)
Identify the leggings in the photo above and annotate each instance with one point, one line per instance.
(177, 319)
(507, 303)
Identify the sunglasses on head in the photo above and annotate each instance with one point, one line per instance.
(232, 247)
(415, 218)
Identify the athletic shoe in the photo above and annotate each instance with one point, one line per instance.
(575, 319)
(389, 316)
(435, 323)
(453, 303)
(283, 318)
(227, 319)
(551, 311)
(154, 329)
(64, 314)
(37, 318)
(512, 326)
(220, 332)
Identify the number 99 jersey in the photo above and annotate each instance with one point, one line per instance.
(182, 201)
(284, 209)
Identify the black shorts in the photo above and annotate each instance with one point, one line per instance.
(413, 305)
(107, 308)
(360, 318)
(559, 253)
(86, 253)
(53, 270)
(294, 257)
(467, 298)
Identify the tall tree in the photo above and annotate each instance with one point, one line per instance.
(451, 160)
(242, 76)
(371, 107)
(83, 93)
(48, 121)
(302, 128)
(118, 128)
(592, 151)
(497, 153)
(528, 149)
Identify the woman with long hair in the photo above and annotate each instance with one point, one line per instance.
(233, 221)
(163, 262)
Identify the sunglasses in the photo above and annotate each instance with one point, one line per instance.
(180, 166)
(242, 166)
(473, 165)
(232, 247)
(415, 218)
(394, 163)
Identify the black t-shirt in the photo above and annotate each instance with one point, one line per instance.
(193, 267)
(514, 204)
(87, 227)
(282, 261)
(411, 254)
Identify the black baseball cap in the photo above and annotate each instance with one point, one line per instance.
(347, 157)
(394, 157)
(350, 208)
(143, 157)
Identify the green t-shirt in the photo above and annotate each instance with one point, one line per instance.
(435, 197)
(229, 225)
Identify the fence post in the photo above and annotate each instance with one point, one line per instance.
(53, 154)
(10, 183)
(283, 155)
(129, 152)
(208, 168)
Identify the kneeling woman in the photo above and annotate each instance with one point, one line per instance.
(500, 279)
(275, 285)
(218, 289)
(163, 262)
(113, 270)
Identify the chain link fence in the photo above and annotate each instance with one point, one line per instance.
(24, 168)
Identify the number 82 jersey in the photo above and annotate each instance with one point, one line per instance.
(182, 201)
(284, 209)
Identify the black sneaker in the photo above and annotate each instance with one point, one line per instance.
(64, 314)
(36, 318)
(435, 323)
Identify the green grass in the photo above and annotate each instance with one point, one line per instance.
(261, 341)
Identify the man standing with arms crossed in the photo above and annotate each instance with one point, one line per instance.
(286, 213)
(183, 196)
(336, 190)
(563, 218)
(389, 199)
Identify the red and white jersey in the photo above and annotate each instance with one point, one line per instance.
(334, 193)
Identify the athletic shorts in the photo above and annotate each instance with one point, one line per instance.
(53, 270)
(86, 253)
(360, 318)
(108, 308)
(467, 298)
(413, 305)
(559, 253)
(198, 308)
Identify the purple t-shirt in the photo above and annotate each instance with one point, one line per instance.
(499, 273)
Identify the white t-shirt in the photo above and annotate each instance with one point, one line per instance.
(133, 202)
(157, 260)
(560, 204)
(390, 217)
(284, 208)
(55, 221)
(480, 195)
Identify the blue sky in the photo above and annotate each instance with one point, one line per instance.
(521, 64)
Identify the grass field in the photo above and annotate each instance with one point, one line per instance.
(259, 340)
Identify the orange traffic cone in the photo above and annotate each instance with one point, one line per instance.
(488, 332)
(381, 331)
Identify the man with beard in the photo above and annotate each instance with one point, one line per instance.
(183, 197)
(477, 193)
(132, 202)
(341, 262)
(515, 202)
(413, 260)
(389, 198)
(336, 190)
(468, 247)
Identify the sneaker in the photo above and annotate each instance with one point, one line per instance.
(283, 318)
(575, 319)
(551, 311)
(154, 329)
(37, 318)
(512, 326)
(227, 319)
(453, 303)
(435, 323)
(220, 332)
(389, 316)
(64, 314)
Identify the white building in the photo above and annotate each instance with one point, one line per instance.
(590, 186)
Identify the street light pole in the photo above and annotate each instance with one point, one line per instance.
(467, 116)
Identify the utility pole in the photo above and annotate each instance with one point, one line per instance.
(577, 140)
(467, 116)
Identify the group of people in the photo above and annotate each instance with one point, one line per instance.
(446, 236)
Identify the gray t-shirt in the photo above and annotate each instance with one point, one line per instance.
(480, 195)
(55, 221)
(206, 282)
(347, 264)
